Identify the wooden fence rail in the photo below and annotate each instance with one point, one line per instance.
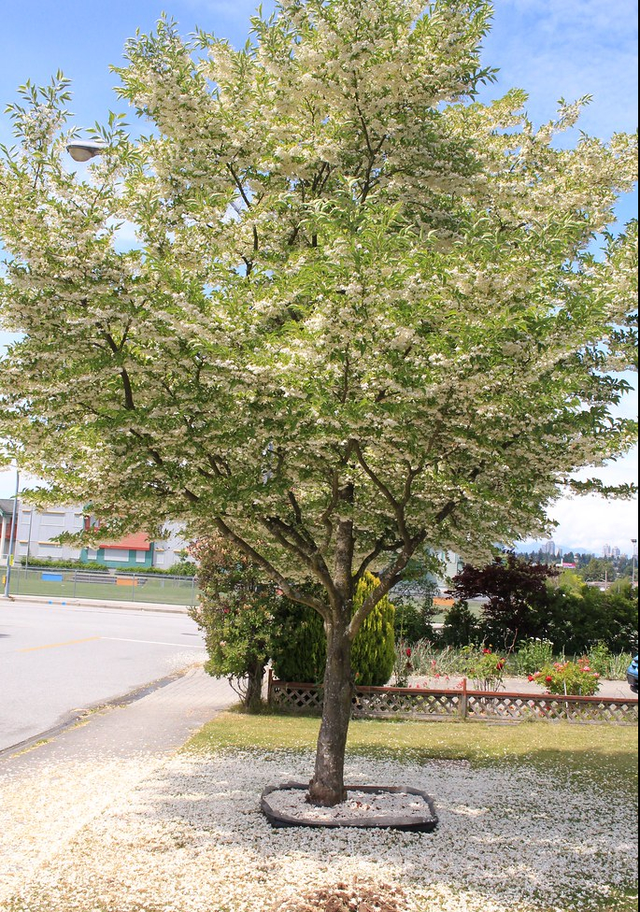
(462, 703)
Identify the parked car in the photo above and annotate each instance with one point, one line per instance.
(632, 675)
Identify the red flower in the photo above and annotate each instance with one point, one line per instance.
(408, 651)
(486, 652)
(530, 677)
(548, 679)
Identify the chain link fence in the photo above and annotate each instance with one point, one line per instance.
(108, 585)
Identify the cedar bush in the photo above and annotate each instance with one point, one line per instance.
(460, 627)
(373, 651)
(298, 641)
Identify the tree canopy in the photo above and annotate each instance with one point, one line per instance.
(513, 588)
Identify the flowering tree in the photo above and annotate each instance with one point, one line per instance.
(236, 612)
(361, 313)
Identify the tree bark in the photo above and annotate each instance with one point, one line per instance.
(327, 786)
(253, 696)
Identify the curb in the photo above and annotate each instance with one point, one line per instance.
(78, 715)
(97, 603)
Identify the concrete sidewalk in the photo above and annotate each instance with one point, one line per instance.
(97, 603)
(51, 790)
(160, 721)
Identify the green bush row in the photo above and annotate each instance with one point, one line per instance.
(182, 568)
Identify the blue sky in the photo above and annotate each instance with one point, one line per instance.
(550, 48)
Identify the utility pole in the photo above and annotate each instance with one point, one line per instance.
(12, 537)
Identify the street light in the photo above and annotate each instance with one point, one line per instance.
(83, 150)
(13, 537)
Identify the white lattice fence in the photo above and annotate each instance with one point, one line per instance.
(472, 705)
(549, 707)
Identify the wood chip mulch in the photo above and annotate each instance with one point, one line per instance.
(342, 897)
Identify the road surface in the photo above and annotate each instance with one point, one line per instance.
(56, 660)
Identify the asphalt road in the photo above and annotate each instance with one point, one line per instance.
(56, 660)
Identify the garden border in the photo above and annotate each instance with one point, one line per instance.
(459, 704)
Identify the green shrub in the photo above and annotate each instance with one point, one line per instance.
(577, 616)
(609, 665)
(413, 617)
(48, 563)
(298, 643)
(461, 627)
(299, 646)
(486, 670)
(413, 599)
(373, 651)
(235, 613)
(183, 568)
(599, 658)
(532, 655)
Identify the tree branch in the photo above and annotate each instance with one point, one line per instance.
(126, 380)
(379, 548)
(388, 579)
(290, 591)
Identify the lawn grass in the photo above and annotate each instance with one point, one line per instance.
(605, 755)
(174, 592)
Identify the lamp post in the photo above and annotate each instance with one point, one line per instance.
(13, 536)
(634, 542)
(83, 150)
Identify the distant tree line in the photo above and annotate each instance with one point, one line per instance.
(523, 600)
(588, 565)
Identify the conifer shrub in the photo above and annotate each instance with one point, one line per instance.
(460, 627)
(373, 651)
(299, 645)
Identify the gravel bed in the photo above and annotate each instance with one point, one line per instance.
(190, 837)
(358, 805)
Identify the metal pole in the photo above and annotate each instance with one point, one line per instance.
(12, 537)
(26, 565)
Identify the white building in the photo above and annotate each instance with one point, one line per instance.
(6, 537)
(36, 531)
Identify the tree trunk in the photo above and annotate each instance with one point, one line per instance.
(253, 696)
(327, 786)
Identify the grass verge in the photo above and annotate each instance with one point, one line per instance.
(605, 755)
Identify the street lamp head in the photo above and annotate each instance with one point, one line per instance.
(83, 150)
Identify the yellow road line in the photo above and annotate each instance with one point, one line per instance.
(54, 645)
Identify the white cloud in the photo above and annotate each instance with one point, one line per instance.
(590, 523)
(568, 49)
